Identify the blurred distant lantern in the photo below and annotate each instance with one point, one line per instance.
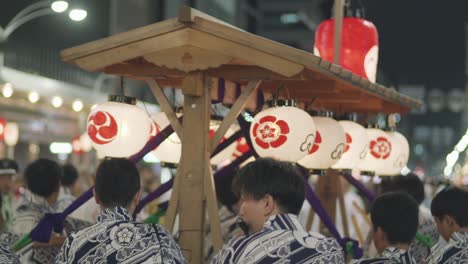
(76, 146)
(329, 144)
(226, 153)
(170, 149)
(359, 45)
(379, 152)
(398, 157)
(11, 134)
(356, 145)
(2, 128)
(85, 142)
(118, 128)
(283, 132)
(242, 147)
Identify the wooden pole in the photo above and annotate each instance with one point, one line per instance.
(194, 170)
(344, 216)
(338, 17)
(327, 190)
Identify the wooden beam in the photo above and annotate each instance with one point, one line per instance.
(193, 84)
(165, 105)
(194, 159)
(174, 201)
(234, 112)
(141, 69)
(327, 190)
(215, 223)
(246, 72)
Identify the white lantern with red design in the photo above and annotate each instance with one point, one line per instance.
(328, 146)
(379, 151)
(227, 152)
(11, 134)
(170, 149)
(285, 133)
(356, 147)
(118, 128)
(359, 45)
(398, 158)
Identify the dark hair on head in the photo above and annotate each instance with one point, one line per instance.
(69, 175)
(224, 191)
(8, 167)
(397, 214)
(452, 201)
(410, 184)
(117, 182)
(43, 177)
(282, 180)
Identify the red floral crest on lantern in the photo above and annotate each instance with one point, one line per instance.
(380, 148)
(270, 132)
(318, 141)
(349, 140)
(102, 127)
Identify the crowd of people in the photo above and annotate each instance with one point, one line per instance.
(260, 207)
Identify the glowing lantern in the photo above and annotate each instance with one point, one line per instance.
(286, 133)
(11, 133)
(328, 146)
(359, 45)
(76, 145)
(380, 149)
(356, 145)
(85, 143)
(226, 153)
(169, 150)
(118, 129)
(398, 158)
(2, 128)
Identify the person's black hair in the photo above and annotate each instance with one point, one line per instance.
(117, 182)
(69, 176)
(409, 183)
(396, 213)
(43, 177)
(224, 191)
(282, 180)
(452, 201)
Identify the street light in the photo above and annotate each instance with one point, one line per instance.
(36, 10)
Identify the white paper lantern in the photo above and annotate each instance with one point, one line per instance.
(356, 147)
(285, 133)
(11, 133)
(226, 153)
(118, 129)
(398, 157)
(380, 149)
(169, 150)
(85, 142)
(329, 144)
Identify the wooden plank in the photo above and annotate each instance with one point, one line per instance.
(246, 72)
(141, 70)
(165, 106)
(211, 200)
(174, 201)
(71, 54)
(268, 61)
(188, 58)
(133, 50)
(187, 14)
(234, 112)
(195, 154)
(193, 85)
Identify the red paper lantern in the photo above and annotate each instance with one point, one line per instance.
(359, 45)
(2, 128)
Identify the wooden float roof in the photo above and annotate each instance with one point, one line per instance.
(194, 41)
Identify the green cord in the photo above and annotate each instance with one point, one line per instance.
(23, 242)
(425, 240)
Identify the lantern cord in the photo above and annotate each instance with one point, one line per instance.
(282, 87)
(122, 89)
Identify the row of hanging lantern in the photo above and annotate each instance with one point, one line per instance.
(119, 128)
(291, 134)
